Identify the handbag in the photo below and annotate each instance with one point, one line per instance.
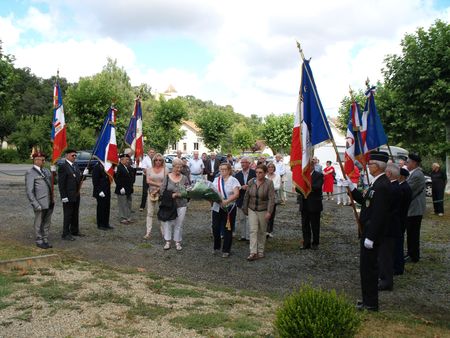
(154, 196)
(167, 208)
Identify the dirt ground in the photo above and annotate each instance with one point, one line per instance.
(422, 291)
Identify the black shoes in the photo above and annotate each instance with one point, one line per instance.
(361, 307)
(108, 227)
(68, 238)
(385, 288)
(409, 259)
(44, 245)
(79, 234)
(314, 247)
(307, 247)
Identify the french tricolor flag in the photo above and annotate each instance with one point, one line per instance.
(133, 136)
(58, 135)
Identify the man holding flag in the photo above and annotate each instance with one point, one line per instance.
(103, 173)
(310, 129)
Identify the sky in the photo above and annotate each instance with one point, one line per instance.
(238, 53)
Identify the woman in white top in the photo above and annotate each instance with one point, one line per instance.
(276, 179)
(155, 175)
(224, 214)
(341, 191)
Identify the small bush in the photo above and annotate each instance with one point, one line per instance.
(9, 156)
(316, 313)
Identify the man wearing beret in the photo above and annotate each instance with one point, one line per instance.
(375, 208)
(124, 179)
(416, 181)
(40, 195)
(405, 201)
(69, 182)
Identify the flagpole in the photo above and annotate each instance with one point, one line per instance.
(330, 135)
(53, 164)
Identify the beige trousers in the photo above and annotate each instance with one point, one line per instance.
(152, 207)
(258, 226)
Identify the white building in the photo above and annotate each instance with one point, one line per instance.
(190, 141)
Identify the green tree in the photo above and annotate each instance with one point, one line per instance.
(415, 106)
(7, 79)
(32, 131)
(164, 127)
(243, 138)
(87, 102)
(215, 124)
(277, 131)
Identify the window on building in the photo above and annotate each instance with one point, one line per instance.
(195, 146)
(174, 146)
(184, 146)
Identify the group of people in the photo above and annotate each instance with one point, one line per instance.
(392, 206)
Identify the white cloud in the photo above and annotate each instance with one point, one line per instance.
(255, 64)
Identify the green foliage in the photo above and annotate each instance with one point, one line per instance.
(316, 313)
(9, 156)
(243, 138)
(215, 126)
(277, 132)
(7, 80)
(416, 103)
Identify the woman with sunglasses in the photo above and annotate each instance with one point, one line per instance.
(224, 214)
(155, 176)
(259, 202)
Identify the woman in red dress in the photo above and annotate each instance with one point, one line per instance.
(328, 181)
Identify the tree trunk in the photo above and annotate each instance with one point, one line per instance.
(447, 162)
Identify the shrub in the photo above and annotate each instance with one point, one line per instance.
(313, 312)
(9, 156)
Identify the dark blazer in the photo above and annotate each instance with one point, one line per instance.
(100, 181)
(208, 169)
(124, 178)
(240, 177)
(394, 227)
(69, 180)
(375, 208)
(313, 203)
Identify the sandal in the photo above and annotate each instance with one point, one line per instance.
(252, 257)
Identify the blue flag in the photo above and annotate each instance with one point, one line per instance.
(375, 136)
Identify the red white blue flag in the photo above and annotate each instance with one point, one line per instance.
(355, 139)
(105, 149)
(310, 129)
(133, 136)
(58, 135)
(375, 136)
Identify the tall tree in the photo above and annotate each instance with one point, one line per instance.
(7, 79)
(416, 101)
(277, 131)
(215, 126)
(243, 138)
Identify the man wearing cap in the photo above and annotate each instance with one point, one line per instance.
(40, 195)
(69, 183)
(124, 188)
(405, 201)
(416, 181)
(374, 216)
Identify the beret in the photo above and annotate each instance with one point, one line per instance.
(404, 172)
(38, 154)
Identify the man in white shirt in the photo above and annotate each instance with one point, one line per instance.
(146, 164)
(281, 170)
(196, 166)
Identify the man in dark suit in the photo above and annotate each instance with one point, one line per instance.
(310, 208)
(124, 178)
(102, 193)
(244, 176)
(405, 201)
(375, 206)
(69, 182)
(392, 232)
(212, 167)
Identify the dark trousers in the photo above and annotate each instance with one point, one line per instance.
(310, 224)
(438, 195)
(386, 262)
(271, 220)
(368, 269)
(103, 208)
(71, 212)
(219, 221)
(399, 259)
(413, 237)
(144, 191)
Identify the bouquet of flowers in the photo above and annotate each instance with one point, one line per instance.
(202, 189)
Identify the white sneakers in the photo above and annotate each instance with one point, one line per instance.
(178, 246)
(167, 246)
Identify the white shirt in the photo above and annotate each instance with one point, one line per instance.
(146, 163)
(38, 169)
(276, 181)
(279, 168)
(196, 166)
(229, 185)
